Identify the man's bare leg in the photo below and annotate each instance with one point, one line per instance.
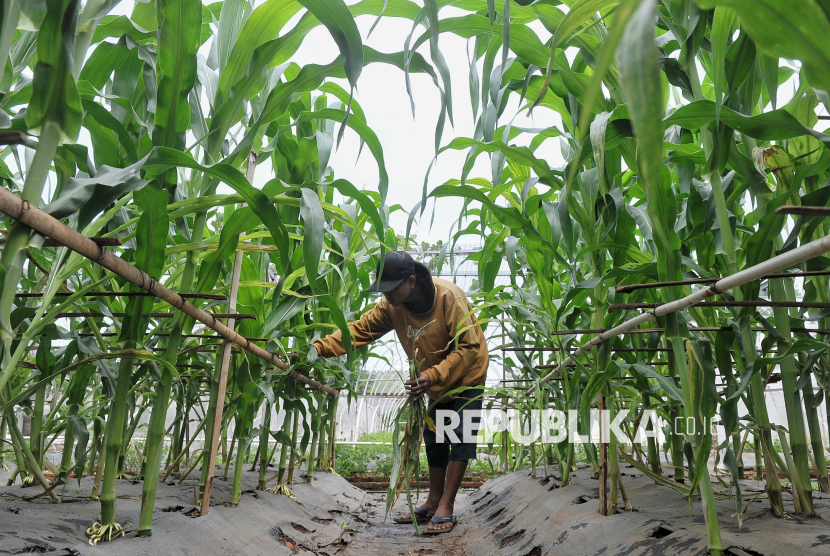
(455, 474)
(437, 478)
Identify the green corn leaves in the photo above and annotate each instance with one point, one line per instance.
(140, 98)
(676, 150)
(179, 40)
(163, 158)
(790, 30)
(639, 69)
(264, 24)
(231, 19)
(55, 96)
(666, 383)
(151, 231)
(722, 28)
(366, 134)
(313, 228)
(335, 15)
(705, 399)
(520, 155)
(640, 77)
(776, 125)
(579, 14)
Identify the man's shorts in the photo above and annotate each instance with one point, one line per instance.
(439, 454)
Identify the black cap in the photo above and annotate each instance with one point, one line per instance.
(397, 267)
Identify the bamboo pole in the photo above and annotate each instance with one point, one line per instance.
(633, 287)
(785, 260)
(14, 138)
(615, 350)
(41, 222)
(223, 385)
(803, 211)
(102, 241)
(554, 365)
(691, 328)
(776, 304)
(618, 350)
(211, 297)
(241, 316)
(162, 334)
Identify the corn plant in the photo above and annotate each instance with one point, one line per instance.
(679, 148)
(177, 98)
(670, 175)
(407, 432)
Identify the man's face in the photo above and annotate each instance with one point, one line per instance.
(401, 294)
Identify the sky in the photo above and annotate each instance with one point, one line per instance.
(408, 143)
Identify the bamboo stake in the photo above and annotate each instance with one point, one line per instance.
(603, 465)
(223, 379)
(41, 222)
(785, 260)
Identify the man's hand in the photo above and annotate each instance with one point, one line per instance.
(416, 388)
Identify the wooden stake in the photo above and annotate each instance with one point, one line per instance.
(504, 433)
(216, 432)
(223, 382)
(603, 465)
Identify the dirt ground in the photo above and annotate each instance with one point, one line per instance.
(512, 515)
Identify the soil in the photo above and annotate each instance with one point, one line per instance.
(513, 515)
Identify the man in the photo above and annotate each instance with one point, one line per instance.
(433, 312)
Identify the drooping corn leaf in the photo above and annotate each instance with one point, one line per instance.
(55, 96)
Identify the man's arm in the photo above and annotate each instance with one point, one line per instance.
(372, 325)
(460, 360)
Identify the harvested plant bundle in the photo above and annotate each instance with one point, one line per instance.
(406, 446)
(406, 442)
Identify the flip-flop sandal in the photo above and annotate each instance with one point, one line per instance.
(442, 519)
(421, 516)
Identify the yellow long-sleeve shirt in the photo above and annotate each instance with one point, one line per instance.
(449, 365)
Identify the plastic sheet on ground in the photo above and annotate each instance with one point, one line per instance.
(514, 515)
